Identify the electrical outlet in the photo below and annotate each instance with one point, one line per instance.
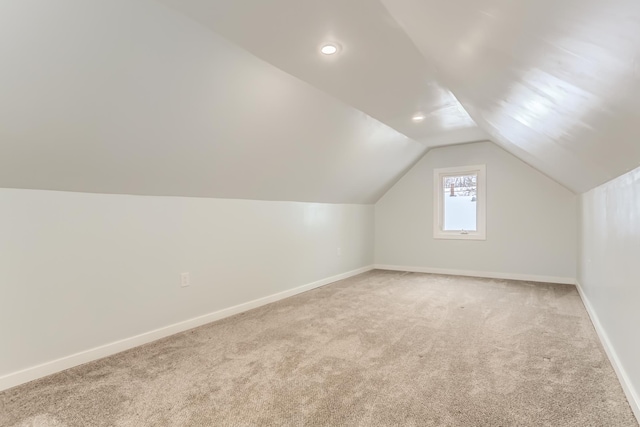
(339, 252)
(184, 280)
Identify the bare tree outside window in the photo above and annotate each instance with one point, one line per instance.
(463, 185)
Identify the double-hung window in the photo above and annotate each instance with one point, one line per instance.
(460, 203)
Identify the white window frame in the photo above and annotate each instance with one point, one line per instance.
(481, 203)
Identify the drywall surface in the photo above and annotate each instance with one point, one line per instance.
(531, 220)
(609, 273)
(83, 270)
(377, 70)
(88, 88)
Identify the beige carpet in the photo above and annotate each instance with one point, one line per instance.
(379, 349)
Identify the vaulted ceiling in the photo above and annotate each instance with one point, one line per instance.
(556, 82)
(378, 71)
(232, 98)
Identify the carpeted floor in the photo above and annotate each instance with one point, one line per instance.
(379, 349)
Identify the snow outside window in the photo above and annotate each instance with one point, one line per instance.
(459, 203)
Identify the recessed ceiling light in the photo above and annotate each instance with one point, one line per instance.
(418, 117)
(329, 49)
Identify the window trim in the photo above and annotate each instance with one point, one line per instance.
(481, 200)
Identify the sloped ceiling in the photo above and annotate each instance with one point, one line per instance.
(557, 83)
(128, 96)
(231, 98)
(378, 70)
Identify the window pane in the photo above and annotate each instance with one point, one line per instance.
(460, 210)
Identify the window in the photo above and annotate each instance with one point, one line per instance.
(459, 203)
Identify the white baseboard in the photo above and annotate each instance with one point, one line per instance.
(632, 395)
(48, 368)
(485, 274)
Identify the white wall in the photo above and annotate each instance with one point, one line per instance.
(531, 220)
(609, 273)
(81, 270)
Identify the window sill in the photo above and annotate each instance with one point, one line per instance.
(458, 236)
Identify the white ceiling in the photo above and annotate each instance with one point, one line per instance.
(130, 97)
(378, 70)
(231, 98)
(555, 82)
